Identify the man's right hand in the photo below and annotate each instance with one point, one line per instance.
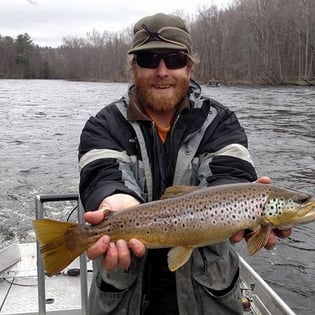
(117, 254)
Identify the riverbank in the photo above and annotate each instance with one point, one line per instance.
(253, 83)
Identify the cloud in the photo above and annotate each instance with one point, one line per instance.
(48, 21)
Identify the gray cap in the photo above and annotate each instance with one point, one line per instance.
(161, 31)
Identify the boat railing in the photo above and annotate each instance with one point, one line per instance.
(39, 201)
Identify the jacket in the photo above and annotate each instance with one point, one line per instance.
(120, 152)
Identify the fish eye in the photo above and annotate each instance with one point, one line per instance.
(304, 199)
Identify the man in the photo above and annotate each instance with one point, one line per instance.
(162, 133)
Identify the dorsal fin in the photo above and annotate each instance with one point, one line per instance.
(178, 190)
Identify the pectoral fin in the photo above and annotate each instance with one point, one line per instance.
(258, 240)
(178, 256)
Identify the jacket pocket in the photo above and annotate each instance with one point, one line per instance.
(215, 271)
(111, 292)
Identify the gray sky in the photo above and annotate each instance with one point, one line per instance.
(48, 21)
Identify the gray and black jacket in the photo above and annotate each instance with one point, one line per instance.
(120, 152)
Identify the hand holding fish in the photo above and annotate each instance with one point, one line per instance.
(117, 254)
(275, 233)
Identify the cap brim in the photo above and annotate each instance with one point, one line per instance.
(157, 45)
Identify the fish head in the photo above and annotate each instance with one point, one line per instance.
(287, 208)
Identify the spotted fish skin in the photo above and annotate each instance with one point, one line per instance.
(202, 217)
(187, 218)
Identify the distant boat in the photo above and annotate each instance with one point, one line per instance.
(214, 83)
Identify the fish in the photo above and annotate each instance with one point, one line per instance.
(185, 218)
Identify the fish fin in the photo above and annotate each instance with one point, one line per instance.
(178, 256)
(57, 249)
(107, 213)
(258, 240)
(178, 190)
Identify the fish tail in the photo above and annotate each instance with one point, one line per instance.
(57, 246)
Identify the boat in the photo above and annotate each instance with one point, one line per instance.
(26, 290)
(214, 83)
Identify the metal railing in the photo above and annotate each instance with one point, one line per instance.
(39, 201)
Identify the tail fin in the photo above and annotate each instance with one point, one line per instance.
(56, 253)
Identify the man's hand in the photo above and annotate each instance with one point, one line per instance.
(116, 254)
(237, 237)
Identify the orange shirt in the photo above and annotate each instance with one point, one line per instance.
(162, 131)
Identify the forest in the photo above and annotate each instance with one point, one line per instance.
(249, 42)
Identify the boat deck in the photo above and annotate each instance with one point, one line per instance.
(19, 287)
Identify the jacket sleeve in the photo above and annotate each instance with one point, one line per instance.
(225, 157)
(105, 159)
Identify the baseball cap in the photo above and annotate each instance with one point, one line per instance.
(161, 31)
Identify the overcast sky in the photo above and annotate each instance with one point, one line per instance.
(48, 21)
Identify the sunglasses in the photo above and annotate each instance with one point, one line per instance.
(151, 60)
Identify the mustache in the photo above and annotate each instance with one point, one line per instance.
(162, 82)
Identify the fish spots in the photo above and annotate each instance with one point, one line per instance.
(275, 207)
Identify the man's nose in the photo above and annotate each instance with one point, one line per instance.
(161, 69)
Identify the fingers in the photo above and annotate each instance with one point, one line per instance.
(111, 259)
(272, 240)
(283, 233)
(124, 257)
(99, 248)
(116, 254)
(237, 237)
(137, 247)
(264, 180)
(119, 255)
(94, 217)
(271, 243)
(274, 236)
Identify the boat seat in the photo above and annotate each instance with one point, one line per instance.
(10, 256)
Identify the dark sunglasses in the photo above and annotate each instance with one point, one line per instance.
(151, 60)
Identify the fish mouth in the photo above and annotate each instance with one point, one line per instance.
(306, 212)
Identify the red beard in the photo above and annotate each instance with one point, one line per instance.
(151, 98)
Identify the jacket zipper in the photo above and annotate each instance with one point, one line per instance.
(171, 144)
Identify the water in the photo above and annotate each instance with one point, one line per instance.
(41, 122)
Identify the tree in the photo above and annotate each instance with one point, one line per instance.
(7, 53)
(24, 49)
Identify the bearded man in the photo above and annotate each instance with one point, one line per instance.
(163, 132)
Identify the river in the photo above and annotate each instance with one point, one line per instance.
(40, 127)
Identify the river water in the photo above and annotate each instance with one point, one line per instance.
(40, 126)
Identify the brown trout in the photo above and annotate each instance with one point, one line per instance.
(186, 218)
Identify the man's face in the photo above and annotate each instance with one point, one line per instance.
(157, 84)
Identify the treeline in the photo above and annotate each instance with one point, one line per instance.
(251, 41)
